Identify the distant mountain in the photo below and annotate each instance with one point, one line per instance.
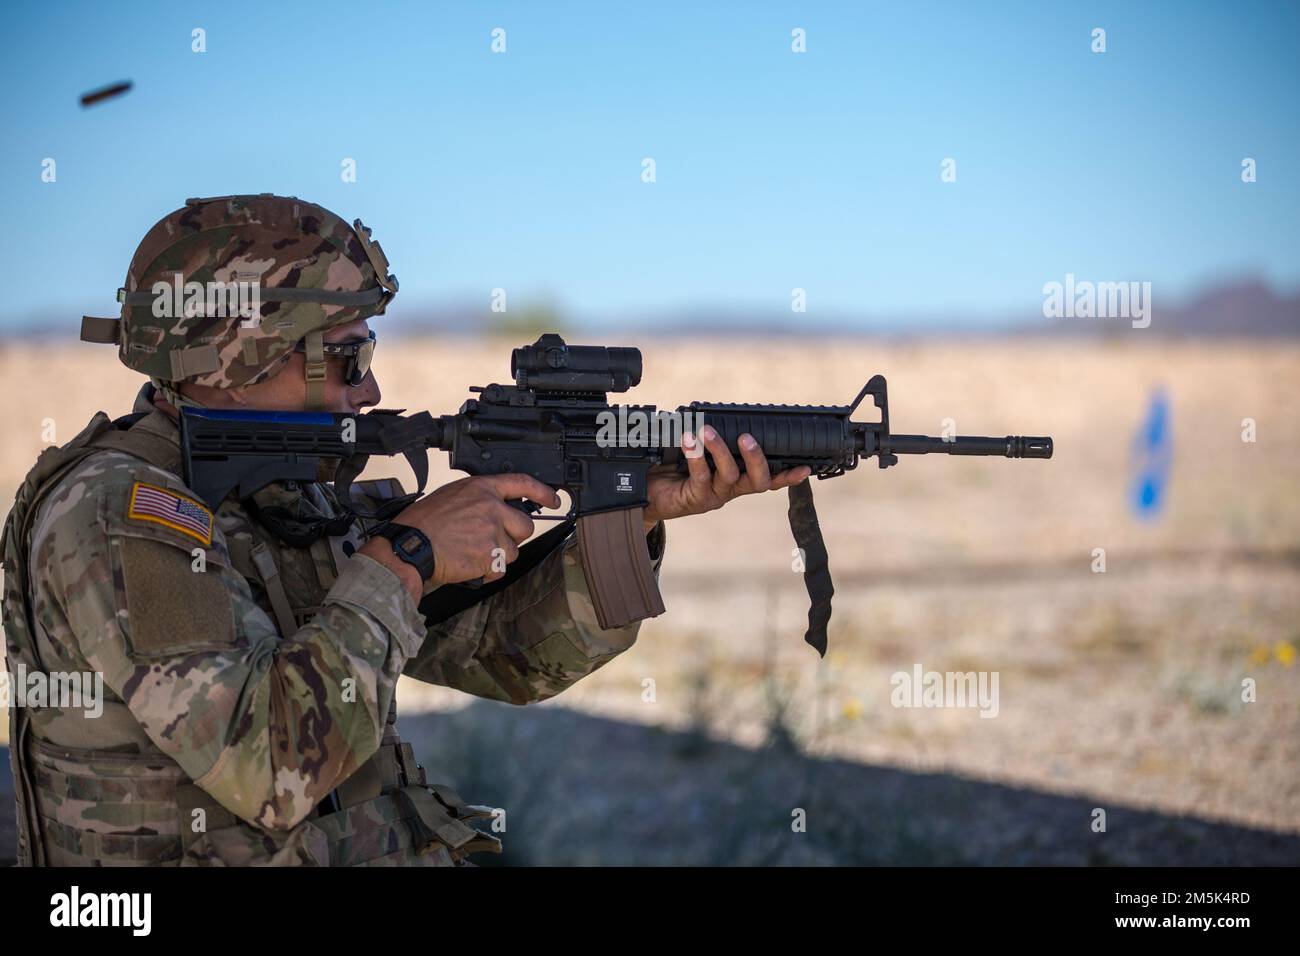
(1248, 307)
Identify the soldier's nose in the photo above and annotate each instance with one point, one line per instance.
(367, 394)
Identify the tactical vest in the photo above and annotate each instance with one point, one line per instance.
(147, 810)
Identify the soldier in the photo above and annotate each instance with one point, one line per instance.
(250, 655)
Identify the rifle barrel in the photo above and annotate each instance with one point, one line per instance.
(1010, 446)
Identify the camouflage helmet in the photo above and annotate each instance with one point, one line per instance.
(221, 291)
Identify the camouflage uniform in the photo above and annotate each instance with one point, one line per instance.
(249, 713)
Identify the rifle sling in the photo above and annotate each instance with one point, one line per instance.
(816, 574)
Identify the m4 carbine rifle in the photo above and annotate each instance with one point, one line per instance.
(555, 423)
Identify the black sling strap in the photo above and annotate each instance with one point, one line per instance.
(816, 569)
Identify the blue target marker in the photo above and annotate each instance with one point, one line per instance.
(1153, 455)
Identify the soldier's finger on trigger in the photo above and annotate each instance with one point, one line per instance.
(515, 485)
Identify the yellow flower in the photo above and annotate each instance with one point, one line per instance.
(1285, 653)
(1259, 656)
(852, 709)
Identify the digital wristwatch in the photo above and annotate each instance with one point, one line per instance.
(410, 545)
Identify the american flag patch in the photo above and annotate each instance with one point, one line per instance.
(151, 503)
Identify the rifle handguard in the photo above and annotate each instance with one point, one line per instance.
(616, 562)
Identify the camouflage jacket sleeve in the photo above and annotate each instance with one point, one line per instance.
(531, 640)
(266, 725)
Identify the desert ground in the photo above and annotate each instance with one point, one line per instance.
(721, 738)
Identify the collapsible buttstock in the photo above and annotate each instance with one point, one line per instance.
(616, 561)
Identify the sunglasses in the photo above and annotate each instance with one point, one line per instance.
(359, 355)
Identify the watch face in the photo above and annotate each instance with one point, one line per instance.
(411, 546)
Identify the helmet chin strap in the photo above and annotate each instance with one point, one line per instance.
(316, 371)
(170, 391)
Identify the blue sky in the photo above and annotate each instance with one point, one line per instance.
(774, 170)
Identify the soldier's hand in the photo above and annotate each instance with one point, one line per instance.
(473, 531)
(673, 495)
